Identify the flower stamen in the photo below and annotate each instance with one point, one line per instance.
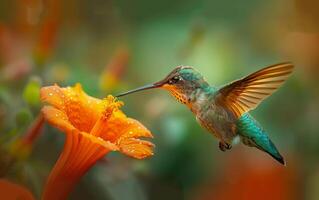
(110, 106)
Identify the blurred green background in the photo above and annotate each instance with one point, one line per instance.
(112, 46)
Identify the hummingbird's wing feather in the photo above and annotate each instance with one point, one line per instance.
(245, 94)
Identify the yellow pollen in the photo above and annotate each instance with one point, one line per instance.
(111, 106)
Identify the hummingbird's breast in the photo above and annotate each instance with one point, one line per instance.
(199, 101)
(216, 119)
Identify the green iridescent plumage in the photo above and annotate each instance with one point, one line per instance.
(252, 134)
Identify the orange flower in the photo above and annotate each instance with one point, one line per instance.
(93, 128)
(115, 69)
(22, 147)
(12, 191)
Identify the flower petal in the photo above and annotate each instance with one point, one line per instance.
(136, 148)
(119, 127)
(129, 130)
(12, 191)
(133, 128)
(53, 95)
(100, 141)
(81, 151)
(57, 118)
(81, 109)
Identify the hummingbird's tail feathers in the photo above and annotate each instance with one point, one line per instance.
(252, 134)
(278, 157)
(271, 149)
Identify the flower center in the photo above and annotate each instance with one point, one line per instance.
(111, 106)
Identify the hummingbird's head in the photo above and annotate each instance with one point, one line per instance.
(181, 83)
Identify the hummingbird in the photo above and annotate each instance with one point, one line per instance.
(224, 111)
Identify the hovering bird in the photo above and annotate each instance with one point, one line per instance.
(224, 111)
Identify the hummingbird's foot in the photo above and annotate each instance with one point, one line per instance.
(223, 146)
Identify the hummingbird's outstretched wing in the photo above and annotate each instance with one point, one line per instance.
(245, 94)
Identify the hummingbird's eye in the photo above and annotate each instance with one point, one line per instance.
(175, 79)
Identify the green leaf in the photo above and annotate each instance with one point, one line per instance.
(31, 92)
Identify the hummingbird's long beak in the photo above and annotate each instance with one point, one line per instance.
(146, 87)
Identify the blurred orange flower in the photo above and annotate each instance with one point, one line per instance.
(12, 191)
(115, 69)
(22, 147)
(93, 128)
